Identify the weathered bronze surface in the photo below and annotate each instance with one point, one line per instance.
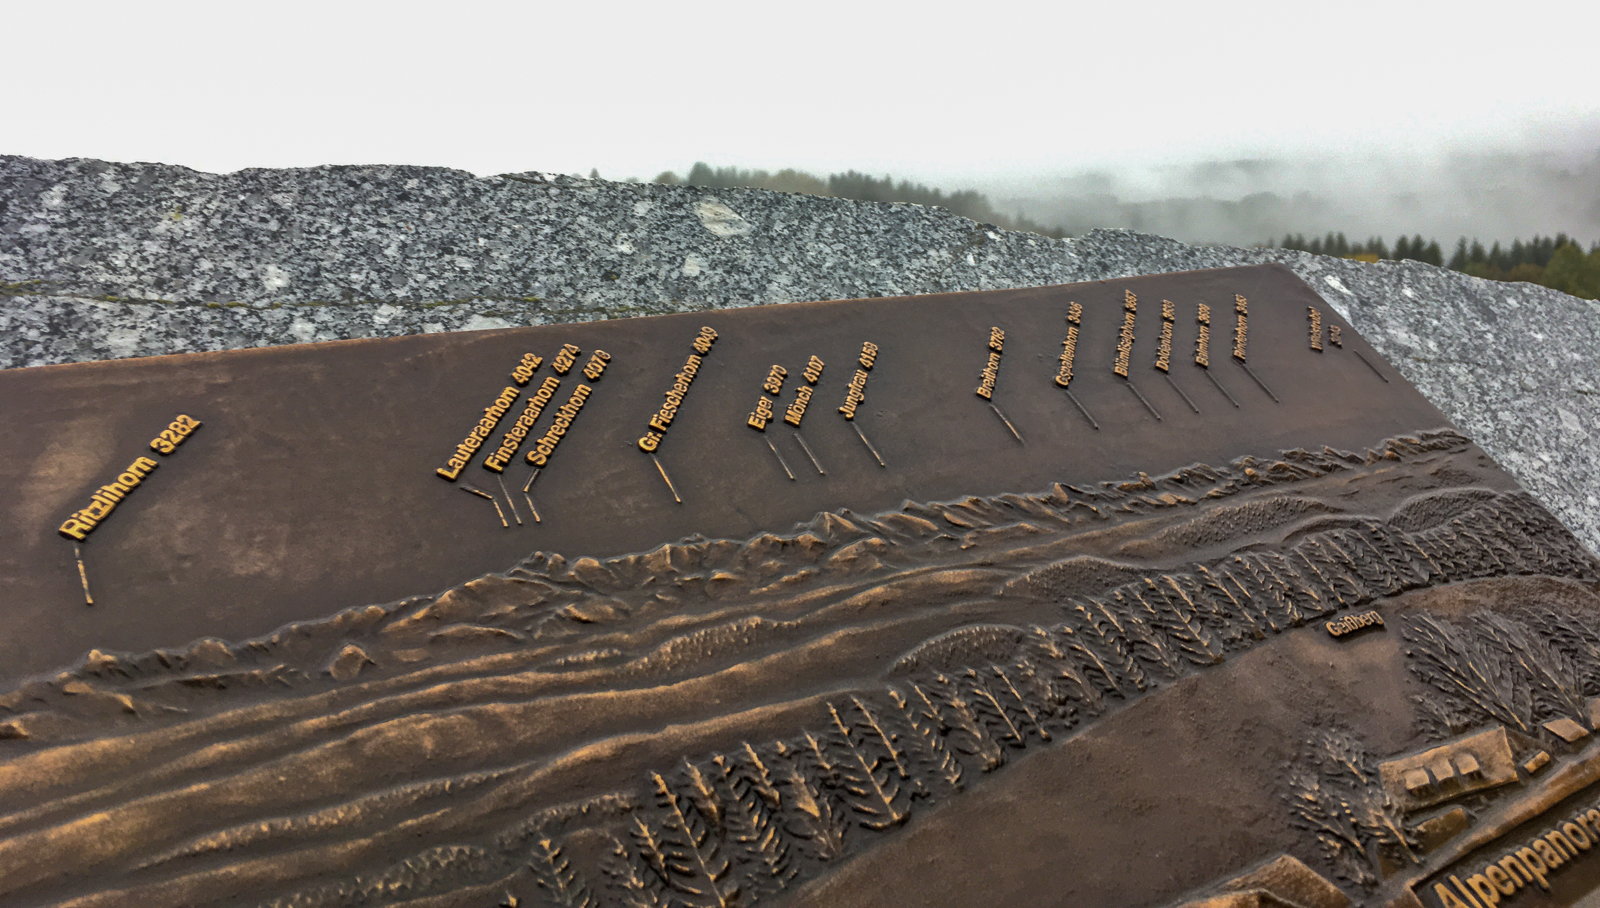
(984, 629)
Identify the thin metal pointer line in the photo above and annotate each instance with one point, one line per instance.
(1219, 387)
(1180, 392)
(780, 459)
(876, 456)
(77, 552)
(1136, 393)
(1074, 398)
(492, 500)
(1007, 422)
(667, 479)
(512, 504)
(1252, 373)
(807, 448)
(529, 498)
(1370, 365)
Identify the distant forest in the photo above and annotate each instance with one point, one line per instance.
(1557, 262)
(859, 186)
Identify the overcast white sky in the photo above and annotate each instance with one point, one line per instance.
(954, 93)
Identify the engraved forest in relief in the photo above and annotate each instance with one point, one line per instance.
(1111, 694)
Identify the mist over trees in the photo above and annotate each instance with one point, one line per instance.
(1250, 202)
(1374, 249)
(1557, 262)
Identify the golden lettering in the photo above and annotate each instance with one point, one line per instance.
(74, 528)
(1462, 888)
(1316, 327)
(773, 385)
(774, 381)
(523, 373)
(813, 373)
(174, 434)
(1069, 351)
(104, 499)
(566, 358)
(1548, 851)
(1563, 846)
(596, 366)
(546, 445)
(1534, 864)
(703, 341)
(1485, 890)
(1500, 879)
(762, 415)
(1164, 342)
(496, 462)
(989, 375)
(480, 432)
(1510, 864)
(1241, 329)
(662, 420)
(1552, 858)
(991, 371)
(855, 394)
(797, 410)
(1130, 306)
(1349, 624)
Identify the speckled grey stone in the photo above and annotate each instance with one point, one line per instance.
(101, 260)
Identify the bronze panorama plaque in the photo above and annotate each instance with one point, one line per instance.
(1165, 590)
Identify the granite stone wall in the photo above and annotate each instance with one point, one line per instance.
(101, 261)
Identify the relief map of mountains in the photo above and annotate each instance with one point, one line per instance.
(1149, 592)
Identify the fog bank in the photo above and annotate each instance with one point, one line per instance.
(1498, 196)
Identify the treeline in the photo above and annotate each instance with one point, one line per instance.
(860, 187)
(1558, 262)
(1414, 248)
